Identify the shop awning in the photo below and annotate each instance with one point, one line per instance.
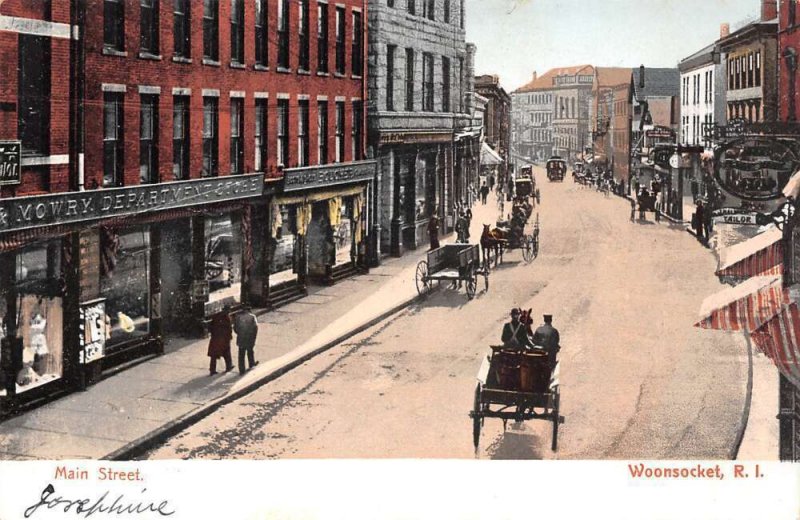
(779, 338)
(760, 255)
(745, 307)
(489, 156)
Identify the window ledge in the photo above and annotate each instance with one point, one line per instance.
(324, 74)
(338, 75)
(356, 76)
(108, 51)
(181, 59)
(260, 67)
(304, 72)
(237, 65)
(209, 61)
(284, 70)
(147, 56)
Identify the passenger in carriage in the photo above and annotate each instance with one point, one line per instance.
(547, 337)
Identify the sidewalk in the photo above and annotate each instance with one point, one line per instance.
(129, 411)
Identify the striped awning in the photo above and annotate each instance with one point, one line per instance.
(779, 340)
(745, 307)
(758, 256)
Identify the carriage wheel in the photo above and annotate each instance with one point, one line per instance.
(527, 249)
(535, 246)
(486, 280)
(556, 419)
(472, 284)
(423, 282)
(477, 418)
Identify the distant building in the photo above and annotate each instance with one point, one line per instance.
(572, 98)
(532, 117)
(702, 93)
(610, 124)
(497, 119)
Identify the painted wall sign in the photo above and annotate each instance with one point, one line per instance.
(10, 162)
(415, 138)
(296, 179)
(65, 208)
(660, 132)
(755, 169)
(93, 330)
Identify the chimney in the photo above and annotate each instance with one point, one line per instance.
(641, 76)
(534, 75)
(769, 10)
(724, 30)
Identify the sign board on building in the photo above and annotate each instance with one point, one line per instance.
(64, 208)
(10, 162)
(660, 132)
(296, 179)
(93, 330)
(755, 168)
(735, 216)
(415, 137)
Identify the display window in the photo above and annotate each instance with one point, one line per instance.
(223, 235)
(283, 266)
(125, 283)
(39, 314)
(343, 230)
(3, 333)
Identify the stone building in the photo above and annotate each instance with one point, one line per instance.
(572, 100)
(420, 130)
(609, 119)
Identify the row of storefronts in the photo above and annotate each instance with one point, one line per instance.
(95, 279)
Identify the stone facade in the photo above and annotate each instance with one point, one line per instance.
(497, 119)
(417, 109)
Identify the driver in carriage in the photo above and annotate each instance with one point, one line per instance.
(515, 333)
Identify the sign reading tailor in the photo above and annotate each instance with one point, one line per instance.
(735, 216)
(755, 168)
(330, 175)
(10, 162)
(65, 208)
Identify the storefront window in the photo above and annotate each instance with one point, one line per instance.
(125, 283)
(282, 267)
(224, 259)
(343, 233)
(3, 312)
(421, 189)
(39, 314)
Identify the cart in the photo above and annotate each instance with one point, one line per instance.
(516, 239)
(518, 386)
(556, 169)
(452, 263)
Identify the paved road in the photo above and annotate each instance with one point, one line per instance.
(638, 381)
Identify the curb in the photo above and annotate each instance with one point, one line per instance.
(150, 440)
(748, 402)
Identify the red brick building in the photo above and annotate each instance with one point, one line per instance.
(189, 156)
(788, 48)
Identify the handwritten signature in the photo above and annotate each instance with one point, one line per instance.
(102, 504)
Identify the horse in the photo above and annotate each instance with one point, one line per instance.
(526, 318)
(491, 240)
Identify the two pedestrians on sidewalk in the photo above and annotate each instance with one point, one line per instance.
(219, 345)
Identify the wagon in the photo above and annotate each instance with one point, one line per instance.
(452, 263)
(518, 386)
(556, 168)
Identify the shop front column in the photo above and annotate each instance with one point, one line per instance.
(156, 321)
(199, 289)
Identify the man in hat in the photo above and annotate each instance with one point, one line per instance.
(515, 336)
(548, 338)
(246, 327)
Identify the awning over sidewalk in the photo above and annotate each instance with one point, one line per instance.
(779, 338)
(745, 307)
(489, 157)
(759, 256)
(792, 188)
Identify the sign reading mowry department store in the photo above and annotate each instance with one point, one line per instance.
(64, 208)
(329, 175)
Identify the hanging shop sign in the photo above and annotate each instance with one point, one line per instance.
(736, 216)
(755, 168)
(93, 330)
(660, 132)
(329, 175)
(65, 208)
(10, 162)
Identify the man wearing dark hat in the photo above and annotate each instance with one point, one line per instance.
(514, 334)
(548, 338)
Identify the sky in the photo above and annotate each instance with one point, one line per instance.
(516, 37)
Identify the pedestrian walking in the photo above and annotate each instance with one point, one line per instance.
(219, 345)
(246, 327)
(491, 182)
(433, 230)
(484, 193)
(658, 206)
(643, 198)
(698, 221)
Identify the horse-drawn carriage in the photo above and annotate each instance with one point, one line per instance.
(517, 385)
(556, 169)
(510, 235)
(455, 263)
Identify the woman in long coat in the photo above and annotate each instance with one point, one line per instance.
(219, 346)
